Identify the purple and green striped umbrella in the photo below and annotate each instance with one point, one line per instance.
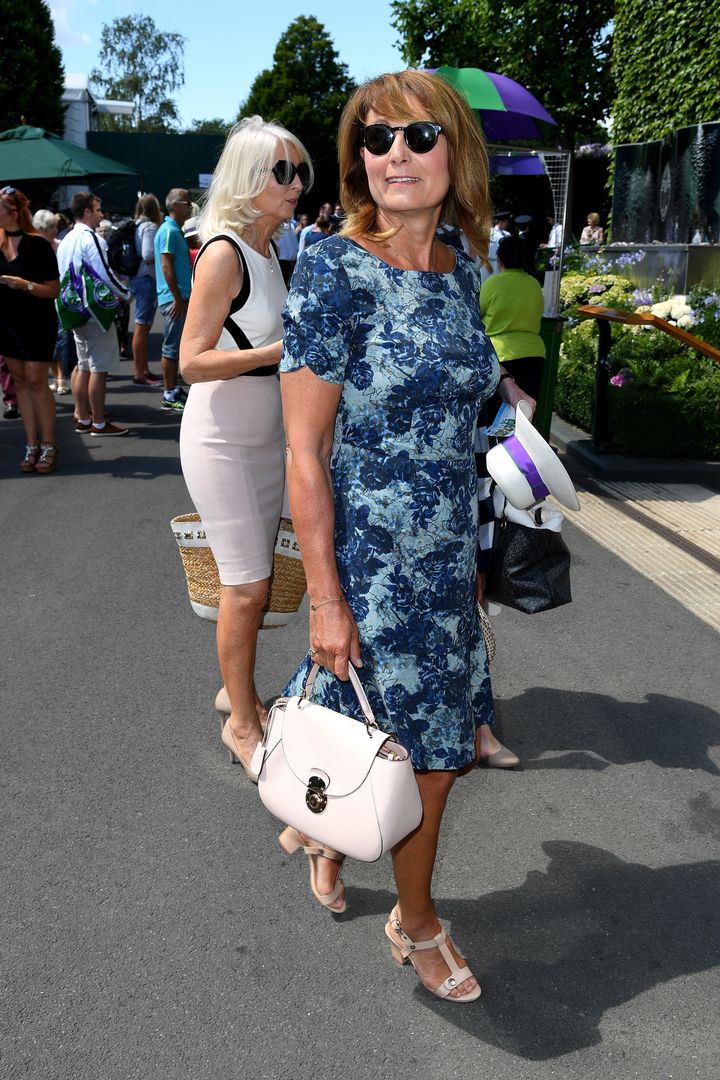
(507, 111)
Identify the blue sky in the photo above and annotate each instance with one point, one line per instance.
(230, 41)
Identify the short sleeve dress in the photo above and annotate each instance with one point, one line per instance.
(415, 366)
(28, 325)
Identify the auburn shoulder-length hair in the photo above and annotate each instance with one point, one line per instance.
(467, 203)
(242, 173)
(16, 201)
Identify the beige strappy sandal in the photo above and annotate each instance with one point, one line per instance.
(402, 953)
(290, 841)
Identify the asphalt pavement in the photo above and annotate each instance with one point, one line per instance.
(153, 928)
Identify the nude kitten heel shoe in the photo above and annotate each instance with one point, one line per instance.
(222, 703)
(228, 740)
(224, 708)
(290, 841)
(501, 759)
(404, 951)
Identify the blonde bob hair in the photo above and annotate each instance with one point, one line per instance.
(44, 220)
(242, 173)
(593, 218)
(467, 203)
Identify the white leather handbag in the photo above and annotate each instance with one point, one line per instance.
(342, 782)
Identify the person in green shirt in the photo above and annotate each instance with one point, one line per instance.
(511, 305)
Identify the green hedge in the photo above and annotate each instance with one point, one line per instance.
(670, 405)
(651, 423)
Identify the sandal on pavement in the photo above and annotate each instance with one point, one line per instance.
(32, 453)
(403, 951)
(47, 462)
(290, 841)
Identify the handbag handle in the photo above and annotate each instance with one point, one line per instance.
(360, 694)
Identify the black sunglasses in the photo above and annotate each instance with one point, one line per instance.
(285, 172)
(420, 137)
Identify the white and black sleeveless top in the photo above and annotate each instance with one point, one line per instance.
(255, 316)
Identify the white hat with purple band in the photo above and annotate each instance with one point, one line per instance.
(527, 469)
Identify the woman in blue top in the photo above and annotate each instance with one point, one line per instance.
(384, 369)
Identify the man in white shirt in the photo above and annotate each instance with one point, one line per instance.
(97, 349)
(501, 228)
(555, 238)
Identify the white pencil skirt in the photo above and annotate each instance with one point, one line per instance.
(232, 450)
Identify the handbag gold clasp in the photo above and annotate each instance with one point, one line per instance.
(315, 797)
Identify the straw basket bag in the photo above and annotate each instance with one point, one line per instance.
(287, 583)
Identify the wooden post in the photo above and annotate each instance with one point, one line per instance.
(600, 429)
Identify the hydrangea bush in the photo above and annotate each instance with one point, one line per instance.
(608, 290)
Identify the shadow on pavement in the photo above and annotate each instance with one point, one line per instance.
(594, 730)
(585, 936)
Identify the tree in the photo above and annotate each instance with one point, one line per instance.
(216, 126)
(142, 64)
(305, 91)
(31, 70)
(665, 65)
(559, 51)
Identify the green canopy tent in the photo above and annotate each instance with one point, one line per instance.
(30, 153)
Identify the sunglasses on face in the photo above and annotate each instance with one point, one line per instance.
(285, 172)
(420, 136)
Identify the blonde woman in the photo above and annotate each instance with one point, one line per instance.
(385, 367)
(231, 440)
(592, 233)
(47, 224)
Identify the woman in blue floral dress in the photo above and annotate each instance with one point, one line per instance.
(385, 367)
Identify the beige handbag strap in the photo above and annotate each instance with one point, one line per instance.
(357, 687)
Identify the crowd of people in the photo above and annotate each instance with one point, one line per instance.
(37, 254)
(166, 247)
(350, 403)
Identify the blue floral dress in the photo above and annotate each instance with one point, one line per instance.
(415, 365)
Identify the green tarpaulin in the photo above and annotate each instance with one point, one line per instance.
(30, 153)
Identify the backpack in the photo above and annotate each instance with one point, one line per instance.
(84, 296)
(123, 255)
